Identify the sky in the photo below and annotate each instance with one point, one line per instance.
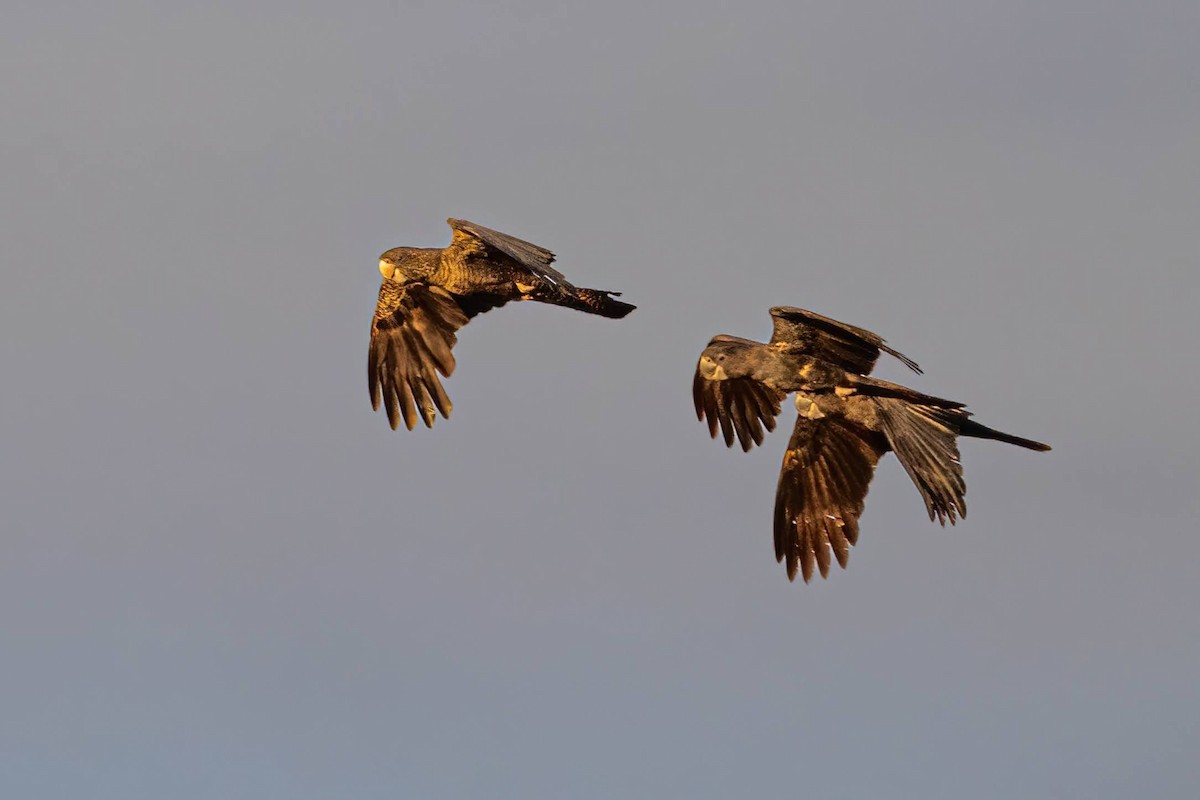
(222, 575)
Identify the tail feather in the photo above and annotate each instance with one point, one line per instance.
(949, 412)
(969, 427)
(924, 438)
(591, 301)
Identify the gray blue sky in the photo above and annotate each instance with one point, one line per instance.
(222, 576)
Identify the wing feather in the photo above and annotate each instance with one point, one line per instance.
(725, 417)
(705, 399)
(742, 407)
(765, 400)
(536, 259)
(412, 338)
(738, 414)
(925, 439)
(852, 348)
(823, 483)
(749, 402)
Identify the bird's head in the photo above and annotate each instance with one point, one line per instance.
(408, 263)
(725, 358)
(711, 369)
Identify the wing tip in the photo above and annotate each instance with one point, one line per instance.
(903, 359)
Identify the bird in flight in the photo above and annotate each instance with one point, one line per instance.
(428, 293)
(846, 422)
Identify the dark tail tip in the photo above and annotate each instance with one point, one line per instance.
(598, 301)
(615, 309)
(1028, 444)
(972, 428)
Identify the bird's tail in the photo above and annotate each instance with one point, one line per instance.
(969, 427)
(948, 412)
(591, 301)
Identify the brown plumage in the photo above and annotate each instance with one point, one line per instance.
(846, 423)
(429, 293)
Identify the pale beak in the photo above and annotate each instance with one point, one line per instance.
(711, 370)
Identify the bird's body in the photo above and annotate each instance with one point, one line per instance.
(427, 294)
(846, 421)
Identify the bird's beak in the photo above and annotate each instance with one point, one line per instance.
(387, 269)
(710, 370)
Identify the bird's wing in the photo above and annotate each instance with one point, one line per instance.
(925, 439)
(822, 489)
(852, 348)
(739, 404)
(411, 340)
(475, 240)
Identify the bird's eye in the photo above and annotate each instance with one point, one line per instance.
(720, 358)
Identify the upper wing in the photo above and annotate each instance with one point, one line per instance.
(411, 339)
(470, 238)
(823, 485)
(854, 349)
(925, 439)
(725, 390)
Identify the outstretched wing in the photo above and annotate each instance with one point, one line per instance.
(475, 240)
(925, 439)
(725, 391)
(854, 349)
(823, 484)
(411, 340)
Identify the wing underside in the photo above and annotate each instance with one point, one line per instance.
(738, 407)
(412, 337)
(925, 440)
(822, 489)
